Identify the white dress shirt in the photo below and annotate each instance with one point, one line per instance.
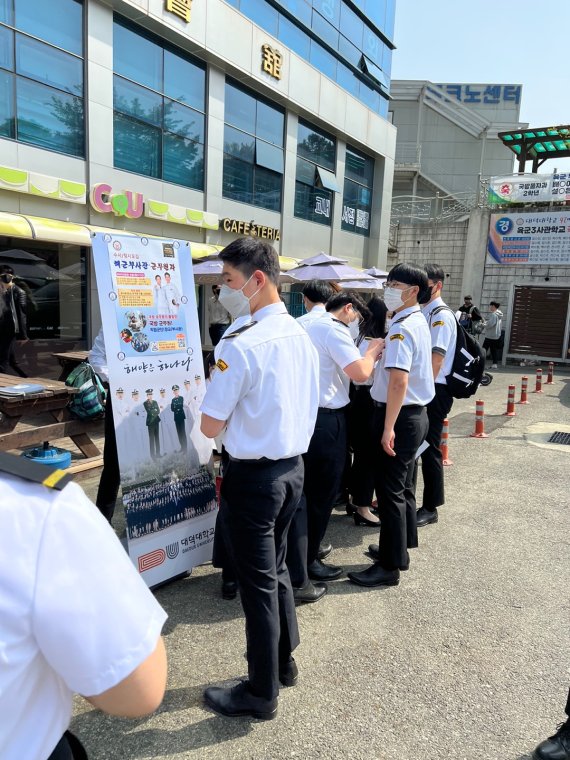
(76, 615)
(408, 347)
(336, 350)
(316, 312)
(98, 357)
(443, 331)
(266, 387)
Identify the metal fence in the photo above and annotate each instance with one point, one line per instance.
(438, 208)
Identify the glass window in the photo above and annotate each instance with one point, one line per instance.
(57, 21)
(357, 196)
(269, 124)
(327, 180)
(300, 9)
(314, 205)
(240, 109)
(349, 51)
(183, 161)
(375, 72)
(305, 171)
(7, 127)
(324, 30)
(49, 118)
(376, 12)
(316, 146)
(136, 57)
(6, 48)
(183, 121)
(347, 80)
(372, 47)
(255, 150)
(238, 180)
(369, 97)
(46, 64)
(169, 135)
(184, 80)
(294, 38)
(137, 101)
(136, 146)
(390, 16)
(7, 12)
(267, 189)
(352, 25)
(330, 9)
(239, 144)
(323, 61)
(269, 156)
(261, 13)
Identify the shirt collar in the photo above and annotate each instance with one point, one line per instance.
(433, 304)
(405, 312)
(268, 311)
(318, 307)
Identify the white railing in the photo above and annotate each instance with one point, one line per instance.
(415, 208)
(408, 154)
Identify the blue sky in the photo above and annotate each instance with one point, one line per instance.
(458, 41)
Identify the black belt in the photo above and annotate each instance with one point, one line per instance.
(261, 460)
(325, 410)
(362, 387)
(382, 405)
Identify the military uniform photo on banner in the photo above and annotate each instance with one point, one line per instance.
(150, 325)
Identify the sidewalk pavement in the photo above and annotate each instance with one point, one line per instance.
(467, 659)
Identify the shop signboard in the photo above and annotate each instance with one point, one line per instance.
(530, 239)
(156, 378)
(529, 188)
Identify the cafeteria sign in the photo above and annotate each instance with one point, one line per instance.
(250, 228)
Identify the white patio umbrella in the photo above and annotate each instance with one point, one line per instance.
(372, 283)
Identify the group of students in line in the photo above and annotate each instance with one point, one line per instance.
(281, 395)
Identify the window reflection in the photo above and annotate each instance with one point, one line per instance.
(49, 118)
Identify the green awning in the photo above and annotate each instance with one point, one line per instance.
(538, 145)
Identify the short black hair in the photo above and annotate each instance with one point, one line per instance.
(248, 254)
(318, 291)
(375, 325)
(410, 274)
(345, 297)
(467, 298)
(6, 269)
(496, 304)
(434, 272)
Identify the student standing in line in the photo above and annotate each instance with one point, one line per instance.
(265, 393)
(443, 332)
(403, 386)
(316, 293)
(493, 330)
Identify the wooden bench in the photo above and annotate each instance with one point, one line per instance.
(69, 360)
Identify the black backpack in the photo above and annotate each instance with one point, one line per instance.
(468, 365)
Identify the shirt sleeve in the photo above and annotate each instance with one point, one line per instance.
(341, 347)
(98, 357)
(231, 380)
(399, 349)
(94, 619)
(441, 331)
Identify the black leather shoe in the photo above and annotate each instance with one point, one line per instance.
(360, 520)
(311, 592)
(229, 589)
(426, 516)
(375, 575)
(289, 673)
(324, 551)
(318, 571)
(556, 747)
(374, 553)
(238, 700)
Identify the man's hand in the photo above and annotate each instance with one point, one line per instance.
(375, 348)
(388, 440)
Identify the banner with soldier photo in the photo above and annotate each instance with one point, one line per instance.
(156, 379)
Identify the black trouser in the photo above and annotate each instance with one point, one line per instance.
(68, 748)
(7, 338)
(324, 462)
(360, 413)
(494, 345)
(181, 431)
(394, 480)
(260, 499)
(216, 332)
(432, 460)
(111, 475)
(153, 439)
(567, 708)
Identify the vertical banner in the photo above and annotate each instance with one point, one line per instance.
(156, 379)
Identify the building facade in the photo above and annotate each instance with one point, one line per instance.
(193, 119)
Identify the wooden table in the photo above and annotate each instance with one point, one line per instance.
(51, 401)
(69, 361)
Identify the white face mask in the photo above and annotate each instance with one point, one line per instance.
(235, 301)
(354, 328)
(393, 298)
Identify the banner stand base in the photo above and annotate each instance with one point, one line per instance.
(185, 574)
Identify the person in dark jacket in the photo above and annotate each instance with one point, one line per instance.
(12, 319)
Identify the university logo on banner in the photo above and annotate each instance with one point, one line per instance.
(156, 378)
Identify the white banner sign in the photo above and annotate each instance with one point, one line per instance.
(529, 188)
(535, 239)
(156, 378)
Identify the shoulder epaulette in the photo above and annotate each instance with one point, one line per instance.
(22, 467)
(239, 330)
